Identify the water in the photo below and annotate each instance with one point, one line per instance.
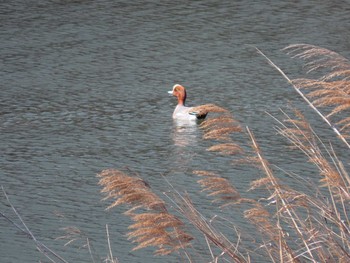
(83, 88)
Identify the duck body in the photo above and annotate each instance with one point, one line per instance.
(184, 113)
(181, 111)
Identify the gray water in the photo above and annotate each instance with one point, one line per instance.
(84, 88)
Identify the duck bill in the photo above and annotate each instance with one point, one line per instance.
(170, 92)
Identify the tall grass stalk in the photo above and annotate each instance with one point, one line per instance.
(331, 92)
(50, 254)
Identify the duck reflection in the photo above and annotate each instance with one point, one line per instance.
(185, 133)
(185, 136)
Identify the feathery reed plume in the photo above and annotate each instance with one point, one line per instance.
(261, 217)
(226, 148)
(156, 227)
(272, 235)
(332, 238)
(330, 91)
(131, 190)
(278, 196)
(218, 187)
(302, 213)
(206, 108)
(152, 229)
(321, 58)
(212, 122)
(299, 132)
(220, 127)
(221, 133)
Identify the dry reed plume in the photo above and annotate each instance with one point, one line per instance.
(326, 227)
(154, 225)
(331, 91)
(221, 127)
(206, 108)
(218, 187)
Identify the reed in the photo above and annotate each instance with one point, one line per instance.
(153, 224)
(331, 91)
(292, 225)
(218, 187)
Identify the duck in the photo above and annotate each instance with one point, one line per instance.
(181, 111)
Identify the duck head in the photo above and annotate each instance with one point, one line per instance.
(179, 92)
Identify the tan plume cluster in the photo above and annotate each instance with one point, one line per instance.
(220, 188)
(273, 236)
(154, 225)
(206, 108)
(331, 91)
(219, 127)
(299, 132)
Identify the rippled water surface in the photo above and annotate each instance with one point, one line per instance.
(84, 87)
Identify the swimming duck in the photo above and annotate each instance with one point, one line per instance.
(182, 112)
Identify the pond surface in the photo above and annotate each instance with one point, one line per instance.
(84, 88)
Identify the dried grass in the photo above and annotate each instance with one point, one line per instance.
(299, 132)
(155, 227)
(220, 127)
(206, 108)
(226, 148)
(321, 58)
(219, 188)
(214, 236)
(331, 91)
